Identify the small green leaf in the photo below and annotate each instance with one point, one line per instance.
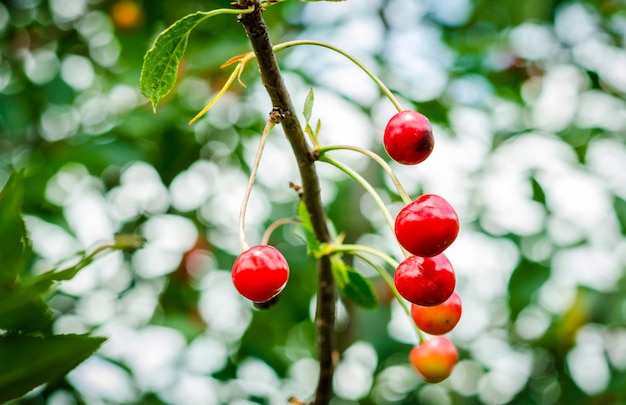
(353, 285)
(160, 64)
(313, 244)
(26, 362)
(16, 246)
(308, 106)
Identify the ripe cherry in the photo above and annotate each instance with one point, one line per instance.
(260, 273)
(438, 319)
(434, 359)
(427, 226)
(425, 281)
(408, 137)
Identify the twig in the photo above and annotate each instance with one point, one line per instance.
(257, 32)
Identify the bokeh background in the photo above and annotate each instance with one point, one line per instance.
(528, 103)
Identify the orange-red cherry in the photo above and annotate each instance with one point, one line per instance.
(434, 359)
(260, 273)
(438, 319)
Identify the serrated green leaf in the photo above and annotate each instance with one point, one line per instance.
(24, 311)
(353, 285)
(26, 362)
(16, 246)
(308, 106)
(23, 308)
(313, 245)
(160, 64)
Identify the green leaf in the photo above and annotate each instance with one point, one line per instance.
(160, 64)
(308, 106)
(26, 362)
(312, 243)
(353, 285)
(16, 246)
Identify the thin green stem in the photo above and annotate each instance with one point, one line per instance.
(255, 166)
(351, 248)
(375, 157)
(390, 283)
(274, 225)
(366, 185)
(394, 100)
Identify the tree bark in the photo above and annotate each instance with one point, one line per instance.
(257, 32)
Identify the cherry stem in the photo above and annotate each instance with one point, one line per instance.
(366, 185)
(394, 100)
(276, 224)
(390, 283)
(351, 248)
(255, 166)
(242, 59)
(360, 252)
(375, 157)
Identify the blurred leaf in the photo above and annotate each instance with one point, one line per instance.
(308, 105)
(16, 247)
(22, 307)
(313, 245)
(538, 193)
(526, 279)
(619, 205)
(24, 310)
(577, 315)
(27, 362)
(160, 64)
(353, 285)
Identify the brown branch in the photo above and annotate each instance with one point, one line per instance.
(257, 32)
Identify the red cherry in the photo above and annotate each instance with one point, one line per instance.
(260, 273)
(438, 319)
(425, 281)
(427, 226)
(434, 359)
(408, 137)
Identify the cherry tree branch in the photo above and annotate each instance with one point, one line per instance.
(257, 32)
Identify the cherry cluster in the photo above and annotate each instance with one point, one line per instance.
(425, 228)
